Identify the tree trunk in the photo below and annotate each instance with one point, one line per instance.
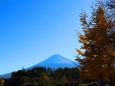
(110, 78)
(100, 81)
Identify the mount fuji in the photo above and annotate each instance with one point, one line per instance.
(54, 62)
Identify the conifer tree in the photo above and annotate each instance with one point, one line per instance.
(98, 46)
(110, 5)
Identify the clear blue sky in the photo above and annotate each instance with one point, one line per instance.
(33, 30)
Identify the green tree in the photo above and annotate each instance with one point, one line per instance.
(98, 46)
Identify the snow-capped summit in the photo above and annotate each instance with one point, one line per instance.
(56, 61)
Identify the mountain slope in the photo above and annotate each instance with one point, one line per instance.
(7, 75)
(55, 62)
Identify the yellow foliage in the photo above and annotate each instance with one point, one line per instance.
(1, 81)
(98, 43)
(79, 52)
(82, 39)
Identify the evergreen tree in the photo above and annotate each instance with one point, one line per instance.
(44, 80)
(98, 46)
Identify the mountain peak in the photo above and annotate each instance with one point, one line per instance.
(56, 61)
(56, 56)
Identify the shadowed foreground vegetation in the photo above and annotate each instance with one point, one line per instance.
(40, 76)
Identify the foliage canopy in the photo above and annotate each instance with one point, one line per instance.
(98, 45)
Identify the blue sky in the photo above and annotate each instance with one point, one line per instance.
(33, 30)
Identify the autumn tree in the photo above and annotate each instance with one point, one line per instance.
(108, 4)
(97, 53)
(1, 82)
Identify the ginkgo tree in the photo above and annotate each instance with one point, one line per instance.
(98, 46)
